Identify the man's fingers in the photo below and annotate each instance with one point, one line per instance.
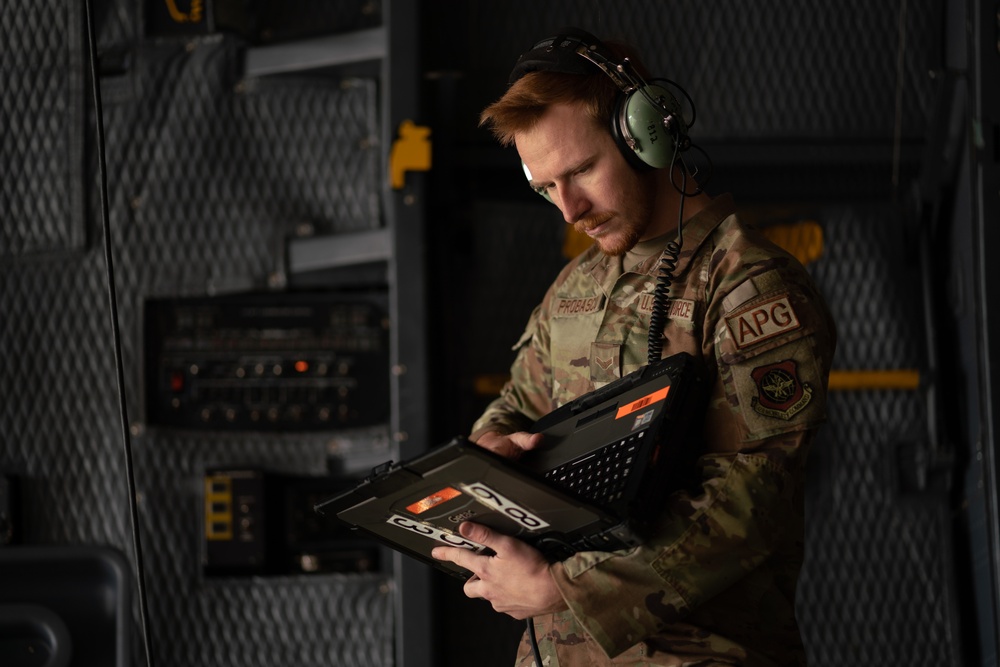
(526, 441)
(515, 580)
(480, 534)
(510, 446)
(504, 546)
(463, 558)
(477, 533)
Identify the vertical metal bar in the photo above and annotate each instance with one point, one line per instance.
(984, 78)
(410, 406)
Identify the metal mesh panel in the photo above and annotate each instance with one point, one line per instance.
(877, 584)
(116, 24)
(203, 146)
(59, 438)
(276, 624)
(869, 276)
(41, 146)
(876, 587)
(208, 174)
(778, 69)
(316, 620)
(209, 177)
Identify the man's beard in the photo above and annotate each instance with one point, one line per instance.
(631, 217)
(617, 241)
(616, 245)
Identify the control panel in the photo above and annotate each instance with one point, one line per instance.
(291, 361)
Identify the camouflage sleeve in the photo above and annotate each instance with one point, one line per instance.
(739, 535)
(528, 394)
(702, 547)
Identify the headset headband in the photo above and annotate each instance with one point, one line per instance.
(646, 122)
(567, 53)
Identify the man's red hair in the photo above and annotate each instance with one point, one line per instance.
(529, 97)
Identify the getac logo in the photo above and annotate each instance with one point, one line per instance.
(462, 516)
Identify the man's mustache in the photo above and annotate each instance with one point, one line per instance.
(591, 221)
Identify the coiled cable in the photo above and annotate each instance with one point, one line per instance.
(665, 277)
(661, 299)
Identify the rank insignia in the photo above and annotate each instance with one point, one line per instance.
(780, 393)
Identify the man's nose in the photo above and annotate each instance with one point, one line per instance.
(573, 203)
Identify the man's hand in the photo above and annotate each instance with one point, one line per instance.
(509, 446)
(516, 581)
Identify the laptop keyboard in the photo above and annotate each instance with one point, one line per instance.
(602, 475)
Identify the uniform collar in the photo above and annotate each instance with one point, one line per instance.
(696, 229)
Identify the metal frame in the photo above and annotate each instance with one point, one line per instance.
(354, 47)
(400, 244)
(404, 217)
(984, 70)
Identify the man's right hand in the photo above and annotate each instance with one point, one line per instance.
(509, 446)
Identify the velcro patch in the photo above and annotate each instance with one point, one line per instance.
(762, 321)
(682, 309)
(576, 306)
(780, 393)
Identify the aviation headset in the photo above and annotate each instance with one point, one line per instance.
(646, 124)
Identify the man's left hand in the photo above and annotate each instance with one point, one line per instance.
(516, 580)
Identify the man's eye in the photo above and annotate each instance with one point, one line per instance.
(541, 189)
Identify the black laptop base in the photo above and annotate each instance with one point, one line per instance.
(562, 498)
(418, 505)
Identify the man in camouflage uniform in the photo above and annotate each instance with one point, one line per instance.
(715, 583)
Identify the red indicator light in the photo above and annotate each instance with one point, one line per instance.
(176, 381)
(301, 366)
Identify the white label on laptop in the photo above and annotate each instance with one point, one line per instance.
(434, 533)
(505, 506)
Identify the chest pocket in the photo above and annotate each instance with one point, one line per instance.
(575, 323)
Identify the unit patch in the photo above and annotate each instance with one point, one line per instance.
(761, 322)
(780, 393)
(576, 306)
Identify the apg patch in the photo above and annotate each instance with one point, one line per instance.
(780, 393)
(762, 321)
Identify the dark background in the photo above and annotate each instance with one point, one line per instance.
(876, 121)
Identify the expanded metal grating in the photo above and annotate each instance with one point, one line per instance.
(209, 173)
(41, 145)
(876, 586)
(772, 69)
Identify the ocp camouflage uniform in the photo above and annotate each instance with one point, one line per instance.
(716, 584)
